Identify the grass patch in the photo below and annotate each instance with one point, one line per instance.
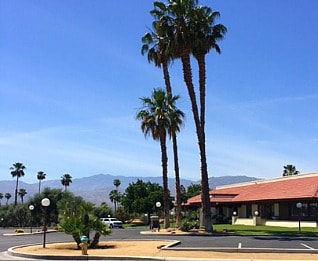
(244, 230)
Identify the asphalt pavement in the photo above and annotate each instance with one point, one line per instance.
(226, 243)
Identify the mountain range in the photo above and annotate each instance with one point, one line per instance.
(96, 188)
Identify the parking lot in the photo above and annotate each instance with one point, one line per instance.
(228, 243)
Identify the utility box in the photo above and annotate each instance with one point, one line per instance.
(154, 223)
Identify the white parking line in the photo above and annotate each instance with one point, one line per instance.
(239, 245)
(307, 246)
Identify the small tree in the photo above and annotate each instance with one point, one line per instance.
(290, 170)
(22, 192)
(40, 176)
(103, 210)
(193, 190)
(81, 221)
(115, 197)
(66, 180)
(141, 198)
(7, 196)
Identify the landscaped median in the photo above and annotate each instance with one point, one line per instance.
(144, 250)
(136, 248)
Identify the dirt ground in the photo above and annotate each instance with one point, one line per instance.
(151, 249)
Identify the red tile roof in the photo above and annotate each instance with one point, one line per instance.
(302, 186)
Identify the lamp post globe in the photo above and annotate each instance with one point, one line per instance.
(158, 204)
(45, 202)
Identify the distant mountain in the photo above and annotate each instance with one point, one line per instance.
(228, 180)
(96, 188)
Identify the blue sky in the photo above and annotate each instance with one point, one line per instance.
(71, 75)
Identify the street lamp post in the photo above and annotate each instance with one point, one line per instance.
(31, 208)
(299, 206)
(45, 203)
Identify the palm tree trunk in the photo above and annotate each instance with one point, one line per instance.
(16, 191)
(202, 80)
(205, 183)
(39, 186)
(164, 162)
(177, 180)
(175, 150)
(166, 77)
(205, 220)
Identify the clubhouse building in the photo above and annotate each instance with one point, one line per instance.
(285, 201)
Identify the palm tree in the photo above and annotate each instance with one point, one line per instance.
(182, 19)
(116, 183)
(66, 179)
(115, 196)
(156, 117)
(40, 176)
(17, 170)
(22, 192)
(1, 197)
(157, 46)
(7, 196)
(290, 170)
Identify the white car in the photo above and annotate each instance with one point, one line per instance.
(112, 222)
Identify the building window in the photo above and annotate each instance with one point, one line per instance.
(307, 210)
(313, 209)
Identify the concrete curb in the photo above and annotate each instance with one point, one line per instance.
(28, 233)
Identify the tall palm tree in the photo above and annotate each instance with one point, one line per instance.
(155, 117)
(290, 170)
(1, 197)
(157, 46)
(7, 196)
(40, 176)
(22, 192)
(66, 180)
(182, 19)
(205, 35)
(17, 170)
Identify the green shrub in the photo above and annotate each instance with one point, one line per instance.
(187, 225)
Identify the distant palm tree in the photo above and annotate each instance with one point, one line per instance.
(290, 170)
(41, 176)
(118, 195)
(17, 171)
(115, 196)
(116, 183)
(66, 179)
(7, 196)
(1, 197)
(22, 192)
